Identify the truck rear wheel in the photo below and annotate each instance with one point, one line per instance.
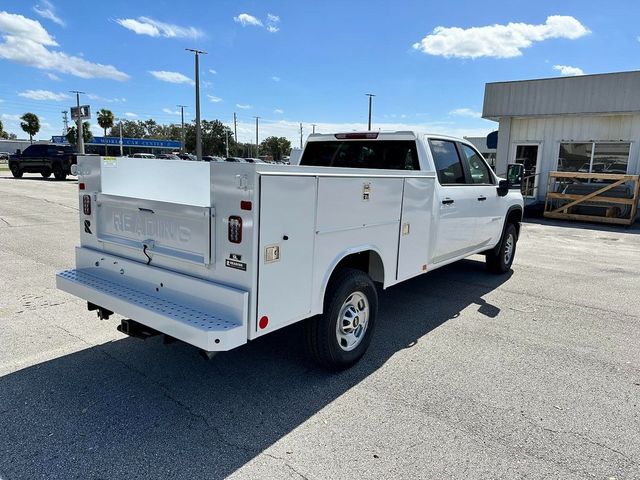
(500, 260)
(339, 337)
(45, 173)
(16, 171)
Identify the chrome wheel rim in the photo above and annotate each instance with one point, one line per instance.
(353, 321)
(508, 249)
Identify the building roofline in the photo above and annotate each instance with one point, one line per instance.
(566, 77)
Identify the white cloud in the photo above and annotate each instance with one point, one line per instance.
(207, 84)
(245, 19)
(462, 112)
(568, 71)
(171, 112)
(500, 41)
(272, 23)
(47, 10)
(25, 41)
(10, 117)
(130, 114)
(212, 71)
(43, 95)
(52, 76)
(155, 28)
(171, 77)
(243, 106)
(213, 98)
(275, 79)
(278, 111)
(98, 98)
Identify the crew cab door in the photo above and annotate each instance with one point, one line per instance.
(488, 208)
(456, 204)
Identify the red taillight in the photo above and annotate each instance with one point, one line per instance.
(235, 229)
(357, 136)
(86, 204)
(245, 205)
(81, 185)
(263, 323)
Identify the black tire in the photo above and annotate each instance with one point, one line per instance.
(16, 171)
(45, 173)
(500, 261)
(59, 173)
(322, 332)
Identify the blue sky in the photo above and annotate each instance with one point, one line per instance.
(291, 62)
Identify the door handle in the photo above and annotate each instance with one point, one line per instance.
(482, 199)
(447, 201)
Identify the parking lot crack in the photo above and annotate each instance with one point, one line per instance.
(286, 464)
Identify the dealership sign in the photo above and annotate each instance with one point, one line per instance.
(126, 142)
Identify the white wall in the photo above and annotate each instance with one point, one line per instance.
(549, 132)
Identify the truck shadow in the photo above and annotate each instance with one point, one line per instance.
(129, 409)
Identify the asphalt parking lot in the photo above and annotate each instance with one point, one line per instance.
(531, 375)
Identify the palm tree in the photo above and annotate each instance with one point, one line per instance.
(105, 120)
(30, 124)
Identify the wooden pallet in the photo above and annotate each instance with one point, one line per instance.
(597, 197)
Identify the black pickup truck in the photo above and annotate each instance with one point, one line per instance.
(44, 159)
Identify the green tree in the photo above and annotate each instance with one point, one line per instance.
(105, 120)
(276, 147)
(30, 124)
(214, 137)
(87, 136)
(3, 134)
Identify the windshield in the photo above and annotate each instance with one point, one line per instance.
(380, 154)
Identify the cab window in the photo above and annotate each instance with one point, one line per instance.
(380, 154)
(448, 164)
(477, 167)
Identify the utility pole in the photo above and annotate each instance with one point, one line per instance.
(257, 144)
(119, 120)
(79, 132)
(182, 128)
(226, 131)
(300, 134)
(198, 131)
(370, 95)
(235, 129)
(65, 121)
(314, 127)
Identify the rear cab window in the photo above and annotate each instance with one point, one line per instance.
(447, 162)
(374, 154)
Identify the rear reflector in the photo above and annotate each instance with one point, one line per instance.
(357, 136)
(245, 205)
(235, 229)
(264, 322)
(81, 186)
(86, 204)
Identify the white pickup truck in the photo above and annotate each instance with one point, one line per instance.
(217, 254)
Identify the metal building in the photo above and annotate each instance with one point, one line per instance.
(589, 123)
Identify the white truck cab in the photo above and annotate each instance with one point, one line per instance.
(217, 254)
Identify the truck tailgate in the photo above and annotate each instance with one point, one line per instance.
(169, 229)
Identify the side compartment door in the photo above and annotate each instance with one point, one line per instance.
(415, 226)
(285, 252)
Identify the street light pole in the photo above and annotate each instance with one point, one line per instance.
(370, 95)
(79, 132)
(257, 144)
(182, 128)
(301, 135)
(119, 120)
(314, 127)
(198, 131)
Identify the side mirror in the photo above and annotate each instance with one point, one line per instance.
(18, 152)
(515, 173)
(503, 187)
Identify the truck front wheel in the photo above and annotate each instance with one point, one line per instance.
(340, 336)
(500, 259)
(59, 173)
(45, 173)
(16, 171)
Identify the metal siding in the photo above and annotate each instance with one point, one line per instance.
(608, 93)
(551, 131)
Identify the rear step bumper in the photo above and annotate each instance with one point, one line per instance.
(211, 316)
